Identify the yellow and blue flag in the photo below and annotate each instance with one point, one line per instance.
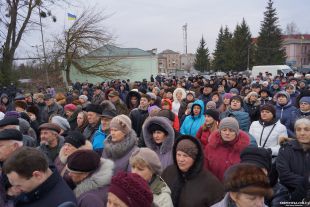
(71, 16)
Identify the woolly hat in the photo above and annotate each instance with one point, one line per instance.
(151, 95)
(149, 157)
(132, 189)
(269, 107)
(11, 134)
(83, 161)
(75, 138)
(259, 156)
(50, 126)
(21, 104)
(156, 127)
(94, 108)
(83, 97)
(213, 113)
(234, 90)
(227, 95)
(122, 123)
(230, 123)
(283, 93)
(188, 147)
(61, 122)
(305, 99)
(151, 108)
(252, 93)
(70, 107)
(247, 178)
(166, 113)
(211, 105)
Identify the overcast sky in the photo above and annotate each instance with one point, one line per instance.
(148, 24)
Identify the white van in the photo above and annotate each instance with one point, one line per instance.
(273, 69)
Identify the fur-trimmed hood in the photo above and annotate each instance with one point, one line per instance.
(99, 178)
(179, 90)
(167, 145)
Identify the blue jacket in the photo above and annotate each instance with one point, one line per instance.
(98, 140)
(242, 117)
(192, 123)
(284, 114)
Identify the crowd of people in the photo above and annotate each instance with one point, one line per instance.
(230, 141)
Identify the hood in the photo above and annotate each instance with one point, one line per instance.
(99, 178)
(168, 101)
(179, 90)
(199, 103)
(2, 96)
(148, 137)
(129, 95)
(243, 140)
(198, 163)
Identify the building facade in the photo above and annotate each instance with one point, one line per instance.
(168, 61)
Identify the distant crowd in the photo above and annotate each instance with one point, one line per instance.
(230, 141)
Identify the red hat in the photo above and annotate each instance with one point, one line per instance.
(70, 107)
(132, 189)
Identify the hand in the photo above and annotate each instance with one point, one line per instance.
(283, 139)
(14, 191)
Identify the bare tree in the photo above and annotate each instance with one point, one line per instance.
(76, 44)
(291, 29)
(17, 17)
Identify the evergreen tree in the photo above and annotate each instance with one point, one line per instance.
(269, 50)
(202, 60)
(241, 43)
(222, 54)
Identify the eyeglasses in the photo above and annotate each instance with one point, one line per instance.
(303, 103)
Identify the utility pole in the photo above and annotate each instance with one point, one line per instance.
(43, 46)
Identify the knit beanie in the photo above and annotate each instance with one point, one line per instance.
(188, 147)
(156, 127)
(83, 97)
(269, 107)
(259, 156)
(247, 178)
(283, 93)
(213, 113)
(211, 105)
(132, 189)
(61, 122)
(70, 107)
(149, 157)
(83, 161)
(234, 90)
(305, 99)
(122, 123)
(230, 123)
(227, 95)
(75, 138)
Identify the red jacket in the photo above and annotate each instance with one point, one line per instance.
(176, 123)
(219, 156)
(203, 136)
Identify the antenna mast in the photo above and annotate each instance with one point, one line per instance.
(184, 28)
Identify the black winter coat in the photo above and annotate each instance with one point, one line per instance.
(53, 192)
(293, 166)
(138, 117)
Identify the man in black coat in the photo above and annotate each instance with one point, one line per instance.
(34, 183)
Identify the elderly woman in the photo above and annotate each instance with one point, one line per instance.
(121, 142)
(246, 185)
(293, 163)
(146, 163)
(190, 183)
(225, 146)
(268, 129)
(159, 136)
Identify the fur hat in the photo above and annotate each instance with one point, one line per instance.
(269, 107)
(75, 138)
(11, 134)
(21, 104)
(230, 123)
(122, 123)
(132, 189)
(213, 113)
(83, 161)
(149, 157)
(156, 127)
(33, 109)
(94, 108)
(188, 147)
(259, 156)
(247, 178)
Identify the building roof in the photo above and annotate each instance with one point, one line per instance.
(168, 52)
(113, 51)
